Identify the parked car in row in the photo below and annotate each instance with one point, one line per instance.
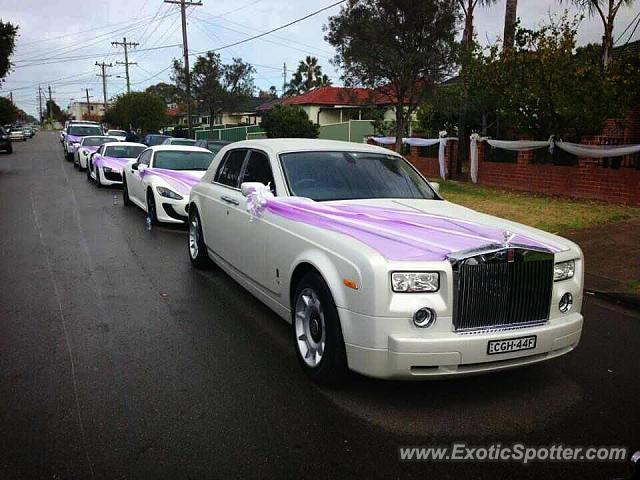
(374, 270)
(153, 139)
(17, 134)
(214, 146)
(105, 166)
(74, 134)
(179, 141)
(121, 135)
(160, 179)
(5, 141)
(86, 147)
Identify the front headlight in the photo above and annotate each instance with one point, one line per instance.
(415, 282)
(165, 192)
(564, 270)
(107, 170)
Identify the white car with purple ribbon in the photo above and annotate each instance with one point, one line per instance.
(105, 166)
(86, 147)
(160, 179)
(375, 271)
(74, 134)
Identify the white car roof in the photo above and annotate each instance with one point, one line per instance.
(126, 144)
(178, 148)
(278, 145)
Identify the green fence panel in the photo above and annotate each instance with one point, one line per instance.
(360, 130)
(256, 135)
(336, 131)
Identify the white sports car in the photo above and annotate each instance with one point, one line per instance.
(86, 147)
(160, 179)
(106, 164)
(374, 270)
(121, 135)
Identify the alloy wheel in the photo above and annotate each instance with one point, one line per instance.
(310, 327)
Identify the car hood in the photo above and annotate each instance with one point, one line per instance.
(453, 211)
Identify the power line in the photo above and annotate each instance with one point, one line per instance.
(272, 30)
(637, 17)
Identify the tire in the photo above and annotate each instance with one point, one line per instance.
(88, 169)
(315, 322)
(10, 149)
(98, 182)
(125, 192)
(151, 208)
(196, 247)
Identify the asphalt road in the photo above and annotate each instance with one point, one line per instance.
(120, 361)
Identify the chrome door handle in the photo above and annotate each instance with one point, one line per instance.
(230, 200)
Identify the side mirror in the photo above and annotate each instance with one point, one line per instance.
(249, 187)
(435, 186)
(134, 166)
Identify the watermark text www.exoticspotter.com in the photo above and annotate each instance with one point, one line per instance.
(517, 452)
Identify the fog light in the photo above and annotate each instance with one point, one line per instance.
(424, 318)
(565, 302)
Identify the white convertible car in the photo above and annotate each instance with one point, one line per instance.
(86, 147)
(160, 179)
(375, 271)
(105, 166)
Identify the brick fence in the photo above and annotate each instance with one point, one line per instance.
(591, 178)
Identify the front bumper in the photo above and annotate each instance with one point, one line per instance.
(172, 211)
(443, 354)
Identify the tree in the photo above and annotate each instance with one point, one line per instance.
(8, 111)
(55, 112)
(288, 121)
(400, 47)
(140, 110)
(308, 75)
(544, 86)
(217, 87)
(168, 92)
(510, 21)
(607, 11)
(8, 34)
(268, 94)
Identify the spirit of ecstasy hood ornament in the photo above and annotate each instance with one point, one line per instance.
(508, 236)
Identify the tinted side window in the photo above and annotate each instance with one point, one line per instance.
(230, 167)
(145, 157)
(258, 169)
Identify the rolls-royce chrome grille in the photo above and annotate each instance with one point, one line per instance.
(501, 287)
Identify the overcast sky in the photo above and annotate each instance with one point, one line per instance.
(52, 30)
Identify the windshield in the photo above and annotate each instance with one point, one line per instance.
(120, 133)
(352, 175)
(156, 139)
(181, 160)
(84, 130)
(97, 141)
(182, 141)
(124, 151)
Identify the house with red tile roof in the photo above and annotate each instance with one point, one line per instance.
(330, 104)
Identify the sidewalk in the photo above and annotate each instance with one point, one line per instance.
(612, 259)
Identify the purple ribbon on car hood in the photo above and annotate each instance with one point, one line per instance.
(73, 138)
(110, 162)
(181, 182)
(397, 234)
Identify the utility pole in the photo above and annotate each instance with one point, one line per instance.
(284, 78)
(50, 109)
(88, 102)
(11, 96)
(40, 103)
(103, 66)
(185, 47)
(126, 62)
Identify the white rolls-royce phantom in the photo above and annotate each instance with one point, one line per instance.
(374, 270)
